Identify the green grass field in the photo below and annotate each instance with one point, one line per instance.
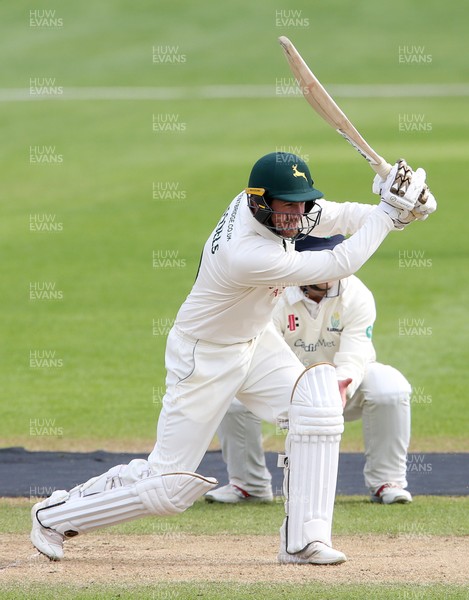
(209, 591)
(106, 318)
(431, 515)
(101, 197)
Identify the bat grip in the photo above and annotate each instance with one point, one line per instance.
(382, 169)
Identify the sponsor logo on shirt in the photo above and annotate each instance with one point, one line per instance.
(335, 323)
(233, 217)
(293, 322)
(321, 343)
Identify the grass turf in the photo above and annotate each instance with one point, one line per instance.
(102, 328)
(217, 591)
(426, 516)
(109, 328)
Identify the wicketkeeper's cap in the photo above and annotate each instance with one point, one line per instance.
(284, 176)
(315, 243)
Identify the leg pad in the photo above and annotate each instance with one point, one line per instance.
(316, 425)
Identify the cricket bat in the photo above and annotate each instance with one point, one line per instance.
(326, 108)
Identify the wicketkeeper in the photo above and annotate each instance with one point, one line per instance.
(330, 322)
(223, 344)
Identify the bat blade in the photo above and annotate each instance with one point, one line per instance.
(327, 109)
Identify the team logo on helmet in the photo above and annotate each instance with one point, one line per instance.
(297, 173)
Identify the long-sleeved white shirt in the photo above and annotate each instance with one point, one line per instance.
(245, 268)
(336, 330)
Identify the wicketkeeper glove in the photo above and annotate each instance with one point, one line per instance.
(405, 196)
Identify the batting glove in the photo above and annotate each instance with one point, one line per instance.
(406, 191)
(425, 206)
(399, 216)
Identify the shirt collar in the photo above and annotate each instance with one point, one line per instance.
(294, 295)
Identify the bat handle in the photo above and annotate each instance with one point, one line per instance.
(382, 168)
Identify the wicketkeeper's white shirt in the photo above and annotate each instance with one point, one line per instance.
(336, 330)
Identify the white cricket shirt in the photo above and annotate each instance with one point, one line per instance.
(245, 267)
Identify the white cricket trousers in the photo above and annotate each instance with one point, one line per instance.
(382, 401)
(202, 379)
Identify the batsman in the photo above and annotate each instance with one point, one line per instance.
(223, 344)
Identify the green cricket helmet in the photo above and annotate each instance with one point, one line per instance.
(283, 176)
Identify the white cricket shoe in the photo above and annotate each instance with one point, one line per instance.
(391, 493)
(315, 553)
(232, 494)
(46, 540)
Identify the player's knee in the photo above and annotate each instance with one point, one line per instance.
(136, 469)
(116, 477)
(387, 387)
(316, 407)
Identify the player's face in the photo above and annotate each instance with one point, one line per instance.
(316, 292)
(287, 217)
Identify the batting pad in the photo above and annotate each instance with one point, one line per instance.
(312, 447)
(161, 495)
